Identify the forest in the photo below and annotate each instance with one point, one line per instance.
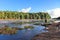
(22, 15)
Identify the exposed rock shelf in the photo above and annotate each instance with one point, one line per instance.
(52, 34)
(47, 36)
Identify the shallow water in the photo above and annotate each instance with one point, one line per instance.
(25, 34)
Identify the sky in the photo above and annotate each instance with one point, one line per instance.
(31, 5)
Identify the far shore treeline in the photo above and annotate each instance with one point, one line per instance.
(22, 15)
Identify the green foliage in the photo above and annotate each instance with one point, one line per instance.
(26, 27)
(21, 15)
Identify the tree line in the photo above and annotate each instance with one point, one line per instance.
(22, 15)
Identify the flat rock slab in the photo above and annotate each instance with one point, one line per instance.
(47, 36)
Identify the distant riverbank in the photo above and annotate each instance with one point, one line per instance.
(16, 20)
(20, 20)
(23, 19)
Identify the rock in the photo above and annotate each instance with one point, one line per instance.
(47, 36)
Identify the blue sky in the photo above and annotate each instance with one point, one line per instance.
(36, 5)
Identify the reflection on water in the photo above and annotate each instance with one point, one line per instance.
(22, 34)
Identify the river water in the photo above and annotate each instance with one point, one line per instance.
(25, 34)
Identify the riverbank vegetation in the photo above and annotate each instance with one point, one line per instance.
(8, 30)
(21, 15)
(28, 27)
(12, 30)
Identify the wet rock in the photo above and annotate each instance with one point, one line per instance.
(47, 36)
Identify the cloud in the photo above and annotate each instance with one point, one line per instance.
(54, 13)
(25, 10)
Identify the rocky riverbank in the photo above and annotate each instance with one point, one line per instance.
(47, 36)
(52, 34)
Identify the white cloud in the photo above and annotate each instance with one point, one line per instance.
(54, 13)
(25, 10)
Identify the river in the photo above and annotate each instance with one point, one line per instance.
(25, 34)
